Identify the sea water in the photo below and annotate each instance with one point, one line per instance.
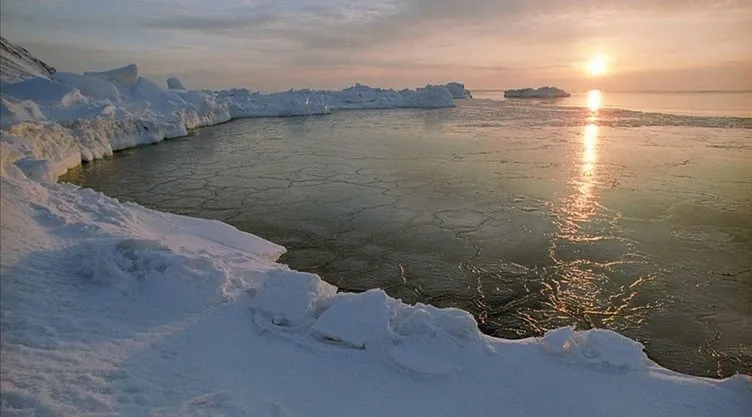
(530, 214)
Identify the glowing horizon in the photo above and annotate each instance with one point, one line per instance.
(267, 45)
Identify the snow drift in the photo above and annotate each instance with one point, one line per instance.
(110, 308)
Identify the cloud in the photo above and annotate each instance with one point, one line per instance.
(403, 39)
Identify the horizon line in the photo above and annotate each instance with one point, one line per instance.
(706, 91)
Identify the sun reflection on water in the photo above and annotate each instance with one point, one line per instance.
(580, 205)
(594, 100)
(584, 205)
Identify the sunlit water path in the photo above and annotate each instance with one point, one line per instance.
(527, 214)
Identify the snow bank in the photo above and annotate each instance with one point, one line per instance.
(101, 112)
(115, 309)
(174, 84)
(600, 348)
(542, 92)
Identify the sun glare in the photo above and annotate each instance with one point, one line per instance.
(594, 100)
(597, 66)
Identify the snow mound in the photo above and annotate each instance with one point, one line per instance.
(458, 90)
(44, 91)
(371, 311)
(418, 339)
(173, 83)
(18, 64)
(127, 74)
(132, 267)
(597, 347)
(542, 92)
(93, 87)
(293, 299)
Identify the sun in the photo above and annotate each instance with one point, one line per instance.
(597, 66)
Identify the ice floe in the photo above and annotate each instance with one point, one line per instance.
(542, 92)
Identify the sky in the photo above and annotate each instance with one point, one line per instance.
(487, 44)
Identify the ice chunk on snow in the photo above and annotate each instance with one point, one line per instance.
(426, 319)
(543, 92)
(355, 320)
(173, 83)
(127, 74)
(599, 347)
(96, 88)
(293, 299)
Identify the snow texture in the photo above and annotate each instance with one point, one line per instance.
(542, 92)
(111, 309)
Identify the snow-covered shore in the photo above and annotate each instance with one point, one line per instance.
(115, 309)
(81, 117)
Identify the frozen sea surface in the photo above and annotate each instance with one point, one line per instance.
(529, 215)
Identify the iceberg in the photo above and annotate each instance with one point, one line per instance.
(542, 92)
(458, 90)
(364, 97)
(110, 308)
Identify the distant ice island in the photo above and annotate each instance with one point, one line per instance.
(543, 92)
